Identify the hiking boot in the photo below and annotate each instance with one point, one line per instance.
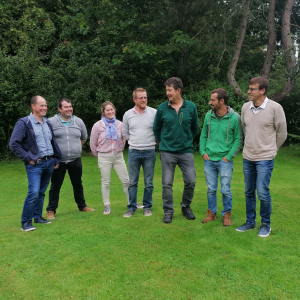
(87, 209)
(245, 227)
(50, 215)
(27, 226)
(139, 206)
(147, 212)
(188, 213)
(168, 218)
(210, 216)
(226, 219)
(264, 230)
(41, 221)
(107, 210)
(129, 213)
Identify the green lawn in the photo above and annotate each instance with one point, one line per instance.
(92, 256)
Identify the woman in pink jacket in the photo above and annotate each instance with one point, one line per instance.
(107, 143)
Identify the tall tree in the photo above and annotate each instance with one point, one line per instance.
(236, 55)
(272, 39)
(288, 45)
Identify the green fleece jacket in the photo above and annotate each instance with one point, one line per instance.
(221, 138)
(176, 132)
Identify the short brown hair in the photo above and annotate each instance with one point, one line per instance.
(138, 90)
(222, 94)
(262, 82)
(34, 99)
(104, 104)
(59, 104)
(175, 82)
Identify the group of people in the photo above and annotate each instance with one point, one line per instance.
(49, 147)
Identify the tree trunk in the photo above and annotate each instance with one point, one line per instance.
(289, 53)
(272, 40)
(236, 55)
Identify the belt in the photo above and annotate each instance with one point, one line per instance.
(45, 158)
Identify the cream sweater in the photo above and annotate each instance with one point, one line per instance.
(264, 132)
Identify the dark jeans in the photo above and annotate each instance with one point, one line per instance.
(38, 180)
(185, 161)
(75, 172)
(257, 175)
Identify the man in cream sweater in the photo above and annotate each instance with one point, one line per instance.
(264, 126)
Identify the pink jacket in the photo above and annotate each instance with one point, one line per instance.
(99, 143)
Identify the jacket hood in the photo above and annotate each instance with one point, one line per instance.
(229, 111)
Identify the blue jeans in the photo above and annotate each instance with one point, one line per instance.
(136, 159)
(211, 170)
(185, 161)
(257, 176)
(38, 180)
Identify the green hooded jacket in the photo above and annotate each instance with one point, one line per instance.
(221, 138)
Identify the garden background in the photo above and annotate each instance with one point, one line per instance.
(92, 51)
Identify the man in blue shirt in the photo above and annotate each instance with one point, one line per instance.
(33, 141)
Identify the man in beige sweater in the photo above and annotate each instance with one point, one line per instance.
(264, 126)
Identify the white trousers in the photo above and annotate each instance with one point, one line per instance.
(106, 162)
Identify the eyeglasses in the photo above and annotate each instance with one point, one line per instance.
(141, 98)
(253, 89)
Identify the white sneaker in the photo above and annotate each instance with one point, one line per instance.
(107, 210)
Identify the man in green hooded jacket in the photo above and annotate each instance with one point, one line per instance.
(220, 141)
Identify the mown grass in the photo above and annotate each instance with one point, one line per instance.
(92, 256)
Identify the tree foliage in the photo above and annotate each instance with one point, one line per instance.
(91, 51)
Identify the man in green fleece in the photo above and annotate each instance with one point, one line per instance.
(220, 142)
(175, 127)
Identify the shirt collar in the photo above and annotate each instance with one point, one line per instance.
(138, 112)
(34, 120)
(183, 102)
(65, 121)
(263, 106)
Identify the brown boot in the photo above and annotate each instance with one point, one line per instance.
(50, 215)
(226, 219)
(210, 216)
(87, 209)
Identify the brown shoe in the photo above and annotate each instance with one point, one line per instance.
(50, 215)
(87, 209)
(210, 216)
(226, 219)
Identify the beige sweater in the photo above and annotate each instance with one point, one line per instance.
(264, 132)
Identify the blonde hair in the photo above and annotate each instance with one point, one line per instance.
(138, 90)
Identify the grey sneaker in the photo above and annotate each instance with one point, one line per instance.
(168, 218)
(264, 230)
(139, 206)
(147, 212)
(129, 213)
(245, 227)
(188, 213)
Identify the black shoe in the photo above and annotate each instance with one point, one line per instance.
(41, 220)
(168, 218)
(188, 213)
(27, 226)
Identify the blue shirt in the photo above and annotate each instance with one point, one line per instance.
(43, 136)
